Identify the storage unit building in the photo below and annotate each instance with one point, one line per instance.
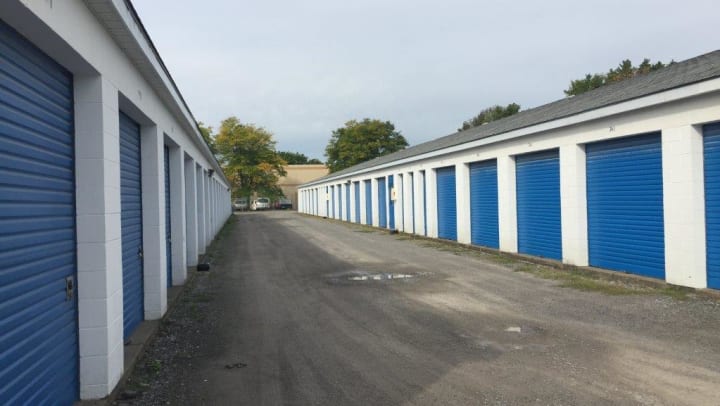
(622, 177)
(102, 207)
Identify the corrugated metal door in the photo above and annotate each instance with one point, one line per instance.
(484, 228)
(131, 219)
(712, 202)
(168, 229)
(382, 202)
(446, 203)
(368, 203)
(357, 202)
(38, 299)
(625, 205)
(538, 204)
(391, 203)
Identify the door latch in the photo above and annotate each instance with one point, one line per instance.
(69, 288)
(140, 252)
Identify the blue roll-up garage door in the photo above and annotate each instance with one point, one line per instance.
(625, 205)
(357, 202)
(38, 299)
(131, 219)
(368, 203)
(484, 228)
(538, 204)
(712, 202)
(382, 202)
(446, 203)
(168, 229)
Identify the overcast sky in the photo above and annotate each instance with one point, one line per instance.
(303, 68)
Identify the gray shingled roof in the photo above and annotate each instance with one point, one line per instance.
(679, 74)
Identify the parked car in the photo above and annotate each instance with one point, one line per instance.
(240, 204)
(261, 203)
(284, 204)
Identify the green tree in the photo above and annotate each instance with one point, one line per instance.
(249, 159)
(297, 158)
(207, 134)
(360, 141)
(293, 158)
(490, 114)
(624, 70)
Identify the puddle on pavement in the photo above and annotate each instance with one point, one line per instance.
(358, 276)
(379, 277)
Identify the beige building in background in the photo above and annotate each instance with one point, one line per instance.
(297, 175)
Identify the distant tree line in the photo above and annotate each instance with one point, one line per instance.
(624, 70)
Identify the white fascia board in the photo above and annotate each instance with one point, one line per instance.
(152, 61)
(667, 96)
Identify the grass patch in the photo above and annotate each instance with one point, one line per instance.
(593, 282)
(154, 366)
(575, 278)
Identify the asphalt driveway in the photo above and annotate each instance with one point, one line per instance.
(305, 311)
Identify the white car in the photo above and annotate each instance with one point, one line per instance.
(261, 203)
(240, 204)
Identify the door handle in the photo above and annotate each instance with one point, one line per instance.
(69, 288)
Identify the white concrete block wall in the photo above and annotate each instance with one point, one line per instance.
(573, 205)
(153, 222)
(99, 251)
(177, 212)
(462, 190)
(684, 206)
(352, 202)
(419, 203)
(408, 214)
(507, 204)
(431, 217)
(191, 211)
(202, 209)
